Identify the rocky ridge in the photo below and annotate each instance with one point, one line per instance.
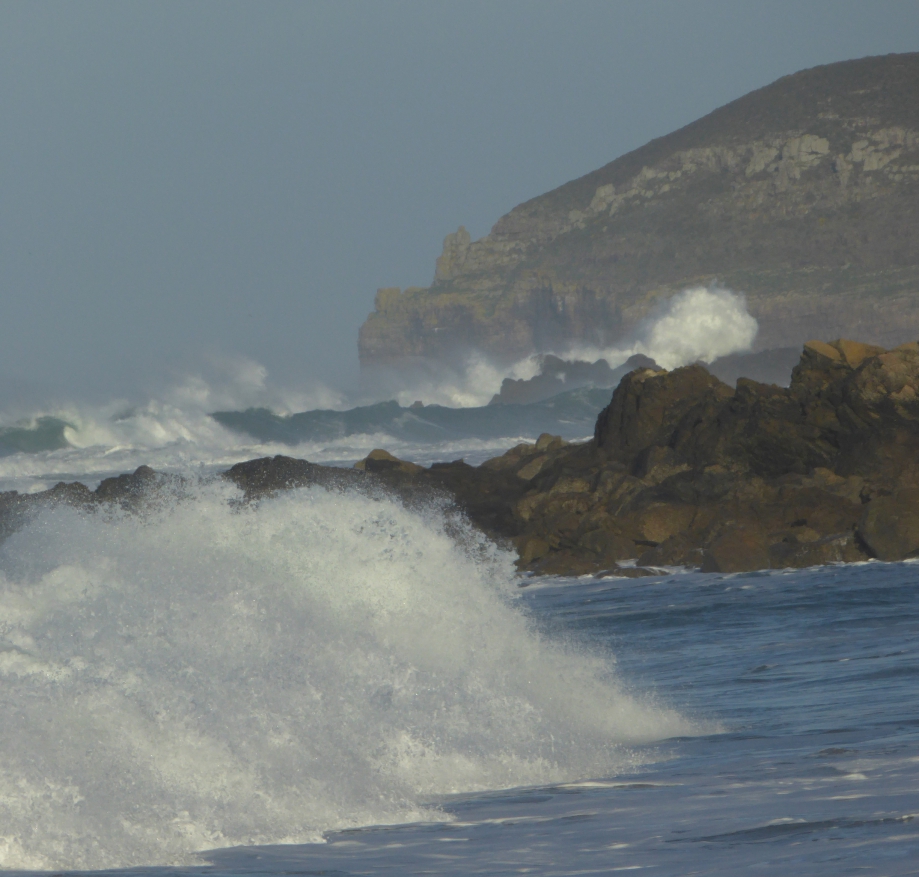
(804, 195)
(685, 470)
(682, 470)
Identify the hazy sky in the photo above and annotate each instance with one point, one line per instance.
(181, 181)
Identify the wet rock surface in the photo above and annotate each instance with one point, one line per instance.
(682, 470)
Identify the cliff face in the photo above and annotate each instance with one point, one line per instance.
(804, 195)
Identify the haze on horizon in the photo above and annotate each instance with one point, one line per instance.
(186, 186)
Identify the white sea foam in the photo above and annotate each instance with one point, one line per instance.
(472, 385)
(172, 431)
(212, 675)
(699, 324)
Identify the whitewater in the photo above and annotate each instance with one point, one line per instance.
(325, 682)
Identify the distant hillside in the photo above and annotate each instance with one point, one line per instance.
(804, 195)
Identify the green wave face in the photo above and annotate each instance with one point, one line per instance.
(571, 415)
(45, 434)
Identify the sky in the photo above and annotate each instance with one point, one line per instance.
(189, 186)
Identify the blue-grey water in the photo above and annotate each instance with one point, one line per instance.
(814, 676)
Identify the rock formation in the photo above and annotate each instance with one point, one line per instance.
(682, 470)
(557, 375)
(685, 470)
(804, 195)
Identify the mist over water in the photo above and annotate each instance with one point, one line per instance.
(174, 429)
(211, 675)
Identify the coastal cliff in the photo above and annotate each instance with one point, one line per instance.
(803, 195)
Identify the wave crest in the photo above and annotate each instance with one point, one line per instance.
(215, 675)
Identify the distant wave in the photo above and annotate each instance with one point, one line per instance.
(42, 434)
(571, 415)
(89, 443)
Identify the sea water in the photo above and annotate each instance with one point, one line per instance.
(327, 683)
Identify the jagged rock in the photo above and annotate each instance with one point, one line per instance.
(678, 456)
(839, 548)
(737, 549)
(379, 460)
(268, 475)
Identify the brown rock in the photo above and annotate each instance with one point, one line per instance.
(660, 521)
(841, 548)
(890, 525)
(531, 549)
(679, 550)
(821, 348)
(608, 544)
(379, 460)
(533, 468)
(737, 549)
(854, 352)
(648, 406)
(547, 442)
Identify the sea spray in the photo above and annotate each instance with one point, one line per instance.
(213, 674)
(198, 423)
(699, 324)
(470, 385)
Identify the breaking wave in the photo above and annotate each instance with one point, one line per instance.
(214, 674)
(203, 423)
(699, 324)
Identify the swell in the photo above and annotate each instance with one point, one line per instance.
(45, 433)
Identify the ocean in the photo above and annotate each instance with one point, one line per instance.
(328, 683)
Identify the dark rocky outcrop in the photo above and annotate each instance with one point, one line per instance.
(556, 375)
(682, 470)
(685, 470)
(803, 194)
(130, 492)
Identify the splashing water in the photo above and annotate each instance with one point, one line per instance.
(175, 432)
(471, 386)
(212, 675)
(699, 324)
